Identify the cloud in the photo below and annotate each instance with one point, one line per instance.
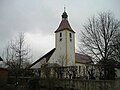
(38, 19)
(40, 43)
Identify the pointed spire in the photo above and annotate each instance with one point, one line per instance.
(64, 23)
(64, 15)
(64, 8)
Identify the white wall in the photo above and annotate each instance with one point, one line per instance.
(71, 48)
(60, 48)
(64, 48)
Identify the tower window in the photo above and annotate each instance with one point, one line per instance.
(60, 34)
(60, 39)
(70, 35)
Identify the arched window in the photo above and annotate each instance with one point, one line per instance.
(70, 35)
(60, 34)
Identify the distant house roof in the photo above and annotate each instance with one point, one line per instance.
(47, 56)
(1, 59)
(83, 59)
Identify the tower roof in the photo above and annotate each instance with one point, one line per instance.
(64, 23)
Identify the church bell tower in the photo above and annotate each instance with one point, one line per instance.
(65, 42)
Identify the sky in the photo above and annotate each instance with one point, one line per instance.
(38, 19)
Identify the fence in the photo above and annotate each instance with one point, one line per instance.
(76, 84)
(97, 84)
(73, 84)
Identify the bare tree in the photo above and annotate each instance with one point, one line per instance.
(17, 55)
(116, 47)
(97, 38)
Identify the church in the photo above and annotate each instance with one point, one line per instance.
(64, 52)
(64, 55)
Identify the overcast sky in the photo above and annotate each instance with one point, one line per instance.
(38, 19)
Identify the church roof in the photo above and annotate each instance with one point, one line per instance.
(83, 59)
(47, 56)
(80, 59)
(64, 24)
(1, 59)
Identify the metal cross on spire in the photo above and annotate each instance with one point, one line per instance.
(64, 8)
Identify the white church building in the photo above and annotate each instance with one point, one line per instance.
(64, 52)
(64, 55)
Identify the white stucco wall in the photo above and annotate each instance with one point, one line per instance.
(65, 49)
(60, 48)
(71, 48)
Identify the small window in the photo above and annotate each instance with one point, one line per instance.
(70, 35)
(60, 34)
(60, 39)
